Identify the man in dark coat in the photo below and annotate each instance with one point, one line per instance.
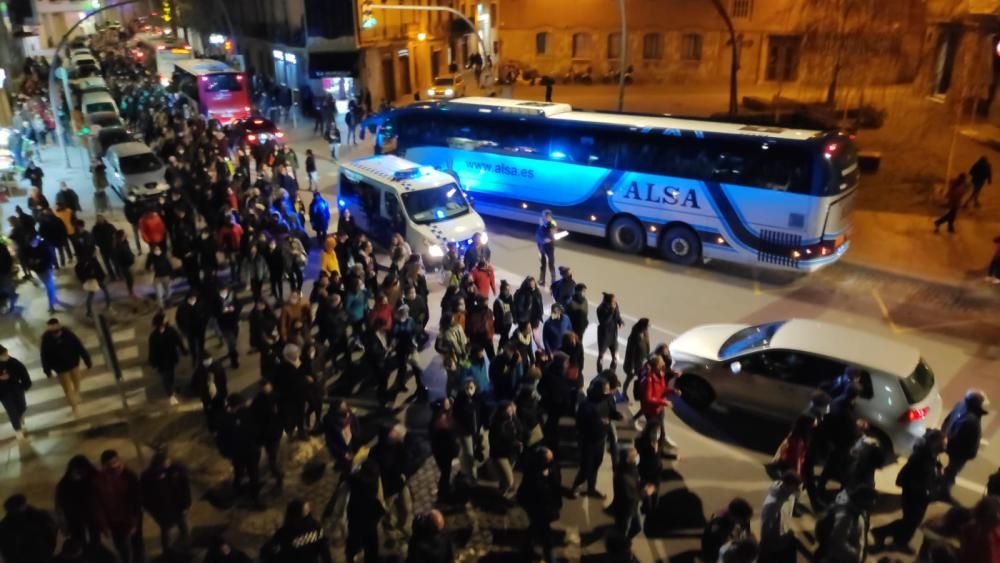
(578, 310)
(166, 495)
(61, 354)
(300, 538)
(104, 238)
(237, 442)
(592, 425)
(964, 428)
(540, 494)
(192, 320)
(430, 542)
(14, 383)
(269, 418)
(364, 512)
(628, 489)
(118, 497)
(227, 314)
(165, 350)
(27, 534)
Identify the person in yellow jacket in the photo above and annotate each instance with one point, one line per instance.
(65, 214)
(328, 260)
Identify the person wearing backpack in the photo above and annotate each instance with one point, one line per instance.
(654, 391)
(920, 479)
(842, 531)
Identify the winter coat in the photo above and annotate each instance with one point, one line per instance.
(964, 428)
(474, 254)
(655, 391)
(14, 378)
(338, 447)
(67, 198)
(166, 492)
(578, 311)
(553, 332)
(293, 254)
(540, 496)
(63, 352)
(165, 348)
(356, 305)
(28, 537)
(53, 230)
(41, 258)
(75, 502)
(467, 410)
(505, 372)
(152, 230)
(503, 314)
(636, 353)
(563, 289)
(556, 392)
(485, 281)
(237, 436)
(319, 214)
(192, 320)
(589, 426)
(505, 437)
(290, 314)
(920, 475)
(328, 261)
(528, 306)
(627, 488)
(479, 324)
(104, 235)
(89, 269)
(118, 498)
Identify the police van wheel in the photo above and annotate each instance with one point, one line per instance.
(681, 245)
(625, 235)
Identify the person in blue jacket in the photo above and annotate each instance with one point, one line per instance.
(554, 329)
(319, 217)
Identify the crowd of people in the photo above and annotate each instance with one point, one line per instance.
(234, 233)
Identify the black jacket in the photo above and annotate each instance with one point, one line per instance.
(555, 391)
(608, 321)
(921, 473)
(28, 536)
(636, 353)
(166, 492)
(268, 417)
(467, 411)
(53, 230)
(160, 265)
(430, 546)
(528, 306)
(505, 436)
(68, 199)
(237, 436)
(391, 458)
(192, 320)
(62, 352)
(104, 236)
(17, 380)
(965, 430)
(165, 348)
(589, 426)
(443, 437)
(540, 495)
(578, 311)
(627, 488)
(89, 269)
(502, 372)
(303, 541)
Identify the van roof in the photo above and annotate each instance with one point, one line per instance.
(399, 173)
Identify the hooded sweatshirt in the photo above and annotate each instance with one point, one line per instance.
(328, 260)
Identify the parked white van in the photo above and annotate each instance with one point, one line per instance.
(386, 194)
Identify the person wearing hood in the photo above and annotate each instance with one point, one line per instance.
(964, 428)
(75, 503)
(300, 538)
(842, 531)
(165, 351)
(919, 478)
(430, 542)
(166, 496)
(27, 534)
(578, 310)
(555, 327)
(328, 261)
(777, 540)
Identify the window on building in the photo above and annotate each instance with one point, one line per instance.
(583, 46)
(541, 39)
(652, 46)
(614, 45)
(691, 47)
(741, 9)
(783, 58)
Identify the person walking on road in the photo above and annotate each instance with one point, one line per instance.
(61, 354)
(192, 321)
(27, 534)
(166, 495)
(980, 174)
(165, 351)
(91, 275)
(636, 353)
(123, 259)
(41, 259)
(163, 272)
(14, 383)
(964, 429)
(609, 320)
(777, 540)
(75, 504)
(956, 192)
(540, 494)
(118, 496)
(919, 479)
(269, 417)
(545, 238)
(104, 237)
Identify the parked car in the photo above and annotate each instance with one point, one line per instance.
(108, 137)
(101, 119)
(133, 169)
(772, 369)
(255, 131)
(446, 87)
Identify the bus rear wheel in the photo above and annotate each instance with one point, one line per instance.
(625, 235)
(680, 245)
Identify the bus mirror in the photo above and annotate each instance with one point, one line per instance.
(736, 368)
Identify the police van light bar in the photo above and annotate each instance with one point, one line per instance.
(414, 172)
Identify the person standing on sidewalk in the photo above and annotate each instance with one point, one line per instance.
(165, 350)
(61, 353)
(166, 495)
(956, 192)
(118, 497)
(14, 383)
(981, 174)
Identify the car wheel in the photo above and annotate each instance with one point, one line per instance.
(625, 235)
(695, 391)
(680, 245)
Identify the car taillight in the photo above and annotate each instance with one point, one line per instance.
(279, 135)
(914, 415)
(251, 137)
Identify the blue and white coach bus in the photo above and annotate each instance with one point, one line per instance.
(693, 189)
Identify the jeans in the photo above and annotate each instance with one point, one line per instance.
(130, 547)
(167, 525)
(70, 382)
(15, 406)
(167, 379)
(50, 287)
(629, 523)
(467, 457)
(546, 259)
(162, 286)
(196, 344)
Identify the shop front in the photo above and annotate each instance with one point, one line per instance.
(336, 74)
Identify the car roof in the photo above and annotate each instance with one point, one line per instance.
(853, 346)
(130, 149)
(385, 167)
(96, 96)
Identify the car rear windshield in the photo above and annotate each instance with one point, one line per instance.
(140, 163)
(108, 120)
(100, 106)
(752, 337)
(918, 385)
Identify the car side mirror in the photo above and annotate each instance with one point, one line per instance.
(736, 367)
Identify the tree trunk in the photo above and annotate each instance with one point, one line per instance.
(734, 67)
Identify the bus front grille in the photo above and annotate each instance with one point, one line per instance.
(779, 248)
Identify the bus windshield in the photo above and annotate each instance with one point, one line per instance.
(226, 82)
(435, 204)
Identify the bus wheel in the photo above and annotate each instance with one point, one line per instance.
(680, 245)
(625, 235)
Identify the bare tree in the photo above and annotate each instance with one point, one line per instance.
(734, 67)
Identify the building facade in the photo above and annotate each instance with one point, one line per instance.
(779, 41)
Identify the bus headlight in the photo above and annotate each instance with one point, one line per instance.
(448, 92)
(435, 251)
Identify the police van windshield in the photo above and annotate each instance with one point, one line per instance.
(435, 204)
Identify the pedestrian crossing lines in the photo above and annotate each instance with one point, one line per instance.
(100, 393)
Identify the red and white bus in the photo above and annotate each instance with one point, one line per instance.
(215, 88)
(161, 53)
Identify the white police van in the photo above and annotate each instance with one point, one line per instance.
(386, 194)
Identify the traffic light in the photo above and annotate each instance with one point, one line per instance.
(368, 20)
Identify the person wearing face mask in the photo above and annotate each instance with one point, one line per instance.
(468, 406)
(227, 314)
(61, 354)
(14, 383)
(158, 263)
(165, 350)
(192, 321)
(540, 494)
(119, 507)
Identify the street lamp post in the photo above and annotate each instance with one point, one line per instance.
(52, 73)
(450, 10)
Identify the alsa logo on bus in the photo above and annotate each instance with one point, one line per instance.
(668, 195)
